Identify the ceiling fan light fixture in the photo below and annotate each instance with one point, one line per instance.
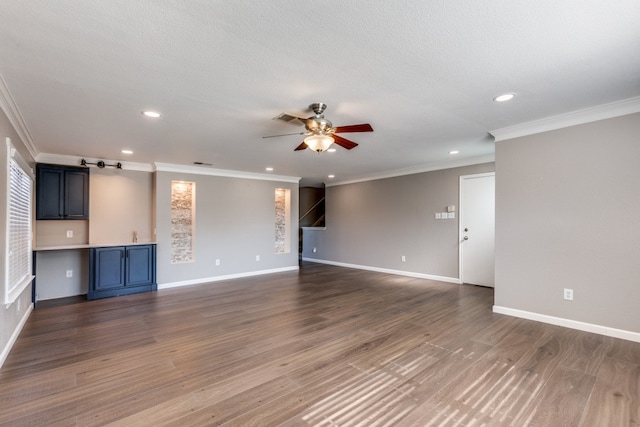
(318, 143)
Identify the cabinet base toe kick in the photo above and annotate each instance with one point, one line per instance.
(118, 292)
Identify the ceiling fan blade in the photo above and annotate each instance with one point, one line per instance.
(284, 134)
(365, 127)
(301, 146)
(289, 118)
(343, 142)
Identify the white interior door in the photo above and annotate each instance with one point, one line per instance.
(477, 228)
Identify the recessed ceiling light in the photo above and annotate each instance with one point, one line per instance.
(152, 114)
(127, 152)
(269, 169)
(505, 97)
(454, 152)
(331, 176)
(331, 150)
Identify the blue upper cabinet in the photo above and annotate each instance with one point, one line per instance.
(62, 192)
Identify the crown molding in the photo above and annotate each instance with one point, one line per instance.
(59, 159)
(10, 108)
(469, 161)
(600, 112)
(204, 170)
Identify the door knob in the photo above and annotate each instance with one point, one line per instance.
(466, 229)
(466, 237)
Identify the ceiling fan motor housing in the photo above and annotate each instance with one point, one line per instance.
(318, 108)
(318, 125)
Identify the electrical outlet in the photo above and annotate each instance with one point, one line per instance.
(568, 294)
(69, 234)
(217, 262)
(257, 257)
(69, 273)
(404, 259)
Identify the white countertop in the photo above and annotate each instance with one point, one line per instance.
(87, 246)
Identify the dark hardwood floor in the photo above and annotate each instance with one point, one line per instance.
(325, 346)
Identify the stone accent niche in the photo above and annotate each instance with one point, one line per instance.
(283, 213)
(183, 208)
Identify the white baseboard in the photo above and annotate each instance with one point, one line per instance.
(387, 270)
(568, 323)
(220, 278)
(14, 336)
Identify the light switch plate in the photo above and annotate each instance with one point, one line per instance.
(568, 294)
(438, 215)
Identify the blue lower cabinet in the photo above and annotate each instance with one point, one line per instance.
(121, 270)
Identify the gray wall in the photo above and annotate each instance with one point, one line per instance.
(568, 216)
(11, 316)
(51, 278)
(375, 223)
(234, 222)
(120, 203)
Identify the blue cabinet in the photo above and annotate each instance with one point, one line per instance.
(62, 192)
(121, 270)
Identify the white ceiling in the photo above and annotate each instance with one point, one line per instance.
(422, 73)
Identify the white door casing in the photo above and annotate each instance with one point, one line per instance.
(477, 229)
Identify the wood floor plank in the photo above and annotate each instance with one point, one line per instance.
(292, 405)
(585, 351)
(119, 387)
(324, 345)
(561, 401)
(206, 406)
(615, 400)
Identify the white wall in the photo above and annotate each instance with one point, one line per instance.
(568, 216)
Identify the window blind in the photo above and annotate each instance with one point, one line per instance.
(18, 261)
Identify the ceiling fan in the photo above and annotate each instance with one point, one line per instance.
(320, 132)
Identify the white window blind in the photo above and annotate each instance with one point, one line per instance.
(18, 261)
